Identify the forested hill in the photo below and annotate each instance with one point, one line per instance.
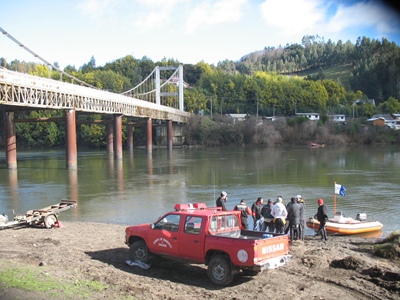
(375, 64)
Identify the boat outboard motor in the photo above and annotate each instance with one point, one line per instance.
(361, 217)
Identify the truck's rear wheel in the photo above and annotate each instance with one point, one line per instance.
(138, 251)
(219, 270)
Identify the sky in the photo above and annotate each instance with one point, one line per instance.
(71, 32)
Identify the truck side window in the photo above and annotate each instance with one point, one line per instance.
(223, 223)
(192, 225)
(169, 222)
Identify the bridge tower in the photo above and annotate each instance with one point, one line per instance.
(180, 85)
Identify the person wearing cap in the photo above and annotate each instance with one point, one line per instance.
(279, 213)
(258, 219)
(322, 217)
(245, 213)
(302, 225)
(268, 218)
(221, 201)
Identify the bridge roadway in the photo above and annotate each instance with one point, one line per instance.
(26, 91)
(18, 89)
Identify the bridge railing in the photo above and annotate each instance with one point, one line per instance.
(19, 89)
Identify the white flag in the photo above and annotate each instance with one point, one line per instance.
(340, 189)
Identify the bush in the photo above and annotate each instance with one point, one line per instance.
(223, 131)
(389, 247)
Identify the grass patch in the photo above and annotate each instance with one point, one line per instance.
(337, 73)
(389, 247)
(38, 280)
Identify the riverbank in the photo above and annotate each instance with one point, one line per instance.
(87, 261)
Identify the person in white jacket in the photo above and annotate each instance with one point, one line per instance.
(279, 213)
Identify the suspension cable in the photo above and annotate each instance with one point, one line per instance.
(42, 59)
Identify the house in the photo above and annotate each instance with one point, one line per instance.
(310, 116)
(269, 119)
(396, 117)
(237, 117)
(337, 118)
(383, 120)
(362, 102)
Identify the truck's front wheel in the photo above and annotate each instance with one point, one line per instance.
(138, 251)
(219, 270)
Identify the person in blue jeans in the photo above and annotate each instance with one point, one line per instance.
(258, 219)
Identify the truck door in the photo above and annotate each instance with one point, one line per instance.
(163, 238)
(192, 239)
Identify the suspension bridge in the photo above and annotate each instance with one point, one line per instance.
(155, 98)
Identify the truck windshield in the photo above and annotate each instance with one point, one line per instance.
(224, 223)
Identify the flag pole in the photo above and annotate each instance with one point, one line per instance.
(334, 200)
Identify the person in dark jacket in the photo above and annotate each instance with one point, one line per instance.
(302, 226)
(293, 217)
(221, 201)
(258, 219)
(245, 213)
(268, 218)
(322, 217)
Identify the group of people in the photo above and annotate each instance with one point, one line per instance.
(274, 216)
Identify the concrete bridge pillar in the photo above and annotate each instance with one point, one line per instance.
(149, 139)
(169, 134)
(110, 138)
(11, 141)
(70, 139)
(118, 136)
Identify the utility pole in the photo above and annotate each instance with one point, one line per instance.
(257, 108)
(211, 106)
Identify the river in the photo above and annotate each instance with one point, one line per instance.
(141, 187)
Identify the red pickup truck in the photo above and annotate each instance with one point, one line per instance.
(199, 234)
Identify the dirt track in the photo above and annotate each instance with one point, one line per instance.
(341, 268)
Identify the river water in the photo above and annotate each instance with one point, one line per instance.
(141, 187)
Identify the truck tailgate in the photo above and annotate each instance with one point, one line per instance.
(252, 253)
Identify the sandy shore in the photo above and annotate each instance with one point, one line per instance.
(341, 268)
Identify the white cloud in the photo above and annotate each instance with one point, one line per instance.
(292, 17)
(155, 14)
(360, 14)
(214, 12)
(97, 8)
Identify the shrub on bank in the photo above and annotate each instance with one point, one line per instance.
(389, 247)
(224, 131)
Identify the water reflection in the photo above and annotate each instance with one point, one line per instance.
(13, 184)
(73, 185)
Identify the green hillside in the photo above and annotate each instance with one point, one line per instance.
(339, 74)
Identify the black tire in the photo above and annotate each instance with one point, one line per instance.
(50, 221)
(219, 270)
(248, 272)
(138, 251)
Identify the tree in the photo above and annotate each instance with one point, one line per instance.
(89, 67)
(392, 106)
(336, 92)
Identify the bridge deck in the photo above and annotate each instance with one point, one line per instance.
(18, 89)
